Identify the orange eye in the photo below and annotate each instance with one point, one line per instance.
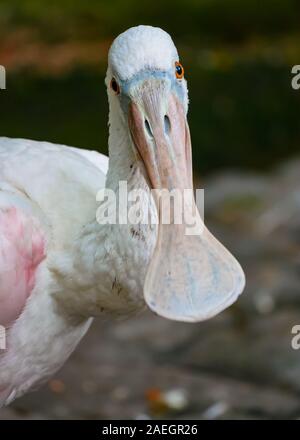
(115, 86)
(179, 70)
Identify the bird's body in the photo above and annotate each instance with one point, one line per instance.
(60, 266)
(55, 187)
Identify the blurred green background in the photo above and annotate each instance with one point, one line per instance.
(237, 56)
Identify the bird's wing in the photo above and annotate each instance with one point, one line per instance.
(97, 159)
(22, 249)
(47, 192)
(63, 181)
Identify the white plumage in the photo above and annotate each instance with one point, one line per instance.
(59, 267)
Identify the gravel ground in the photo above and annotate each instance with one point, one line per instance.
(238, 365)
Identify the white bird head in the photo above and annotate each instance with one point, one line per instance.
(145, 57)
(190, 278)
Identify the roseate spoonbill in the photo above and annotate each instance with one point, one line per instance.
(59, 267)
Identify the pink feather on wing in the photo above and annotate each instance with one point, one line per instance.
(22, 248)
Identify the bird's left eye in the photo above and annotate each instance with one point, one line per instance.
(179, 70)
(115, 86)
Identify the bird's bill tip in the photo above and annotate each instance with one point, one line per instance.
(191, 278)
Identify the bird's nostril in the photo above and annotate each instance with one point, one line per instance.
(167, 124)
(148, 128)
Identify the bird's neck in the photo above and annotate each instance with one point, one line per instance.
(111, 260)
(122, 158)
(132, 245)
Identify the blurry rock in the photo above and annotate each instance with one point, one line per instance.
(215, 411)
(233, 193)
(264, 302)
(121, 393)
(163, 402)
(89, 387)
(143, 417)
(57, 386)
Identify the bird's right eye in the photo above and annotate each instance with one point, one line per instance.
(115, 86)
(179, 70)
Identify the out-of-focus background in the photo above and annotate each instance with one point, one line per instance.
(244, 120)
